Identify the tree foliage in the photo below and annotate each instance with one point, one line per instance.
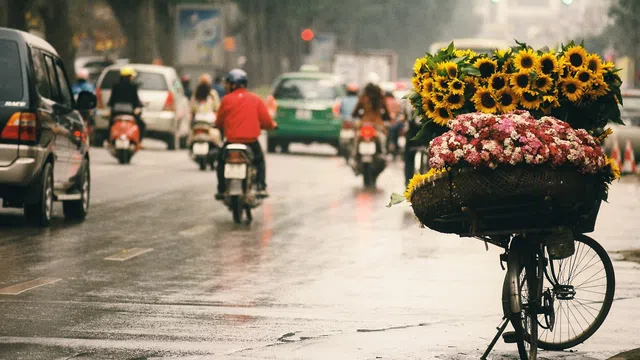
(626, 16)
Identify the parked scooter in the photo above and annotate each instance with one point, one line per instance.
(124, 139)
(369, 157)
(205, 141)
(240, 177)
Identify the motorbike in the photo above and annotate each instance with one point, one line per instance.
(205, 141)
(369, 156)
(124, 137)
(240, 178)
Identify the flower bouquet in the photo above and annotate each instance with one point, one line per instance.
(515, 135)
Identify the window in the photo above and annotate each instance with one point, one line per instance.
(51, 70)
(41, 75)
(306, 89)
(11, 87)
(67, 97)
(145, 81)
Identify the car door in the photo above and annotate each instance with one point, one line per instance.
(72, 122)
(60, 132)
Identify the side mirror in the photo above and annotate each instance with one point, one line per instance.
(86, 101)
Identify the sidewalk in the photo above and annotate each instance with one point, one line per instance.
(629, 355)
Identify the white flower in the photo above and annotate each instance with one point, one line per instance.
(528, 158)
(459, 154)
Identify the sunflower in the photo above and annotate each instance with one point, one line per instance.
(419, 65)
(548, 63)
(543, 83)
(485, 101)
(417, 84)
(498, 81)
(600, 88)
(450, 68)
(576, 56)
(530, 100)
(465, 53)
(520, 82)
(438, 98)
(427, 85)
(442, 83)
(502, 53)
(584, 76)
(607, 66)
(526, 60)
(429, 107)
(594, 64)
(615, 169)
(572, 89)
(456, 86)
(454, 101)
(486, 66)
(442, 115)
(507, 100)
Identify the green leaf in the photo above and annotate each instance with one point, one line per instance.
(458, 59)
(545, 49)
(471, 71)
(396, 199)
(431, 64)
(450, 49)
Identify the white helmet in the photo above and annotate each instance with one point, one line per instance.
(373, 78)
(82, 74)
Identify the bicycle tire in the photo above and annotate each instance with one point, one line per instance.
(607, 301)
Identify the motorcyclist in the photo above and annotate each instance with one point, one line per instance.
(349, 102)
(371, 106)
(186, 84)
(205, 100)
(218, 86)
(241, 117)
(126, 92)
(410, 148)
(82, 83)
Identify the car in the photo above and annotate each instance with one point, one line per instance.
(44, 150)
(166, 108)
(306, 107)
(630, 131)
(93, 64)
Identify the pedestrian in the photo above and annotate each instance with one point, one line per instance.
(186, 84)
(218, 86)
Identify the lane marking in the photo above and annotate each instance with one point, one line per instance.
(27, 285)
(196, 230)
(126, 254)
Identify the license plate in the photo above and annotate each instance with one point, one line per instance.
(303, 114)
(235, 171)
(122, 143)
(367, 148)
(347, 134)
(201, 148)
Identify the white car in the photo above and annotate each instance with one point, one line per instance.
(166, 109)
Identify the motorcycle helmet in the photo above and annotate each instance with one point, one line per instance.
(237, 77)
(82, 74)
(128, 71)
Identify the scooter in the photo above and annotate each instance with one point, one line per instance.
(124, 138)
(205, 141)
(240, 178)
(369, 157)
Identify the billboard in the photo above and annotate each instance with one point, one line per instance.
(199, 35)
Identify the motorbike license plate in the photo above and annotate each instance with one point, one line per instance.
(367, 148)
(303, 114)
(235, 171)
(201, 148)
(347, 134)
(122, 143)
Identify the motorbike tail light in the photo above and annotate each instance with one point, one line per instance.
(201, 131)
(99, 98)
(272, 105)
(235, 157)
(336, 108)
(169, 104)
(21, 126)
(367, 132)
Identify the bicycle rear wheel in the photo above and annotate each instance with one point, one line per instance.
(582, 288)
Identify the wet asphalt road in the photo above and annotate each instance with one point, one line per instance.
(325, 271)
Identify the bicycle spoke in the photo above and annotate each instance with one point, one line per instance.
(587, 307)
(589, 264)
(589, 282)
(576, 264)
(591, 291)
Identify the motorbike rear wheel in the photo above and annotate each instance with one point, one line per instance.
(123, 156)
(202, 163)
(367, 175)
(236, 209)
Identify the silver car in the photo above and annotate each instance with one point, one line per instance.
(166, 108)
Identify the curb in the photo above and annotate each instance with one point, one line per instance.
(629, 355)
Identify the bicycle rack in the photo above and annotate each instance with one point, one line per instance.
(501, 328)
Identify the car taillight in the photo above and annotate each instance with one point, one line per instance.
(21, 126)
(235, 157)
(272, 105)
(99, 99)
(200, 131)
(367, 132)
(169, 104)
(336, 108)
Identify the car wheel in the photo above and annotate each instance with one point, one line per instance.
(39, 213)
(284, 147)
(271, 146)
(173, 141)
(78, 209)
(183, 142)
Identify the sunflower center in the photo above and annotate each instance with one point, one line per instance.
(488, 101)
(593, 65)
(584, 77)
(454, 99)
(487, 69)
(443, 83)
(547, 66)
(439, 97)
(444, 113)
(529, 96)
(576, 60)
(526, 62)
(457, 85)
(571, 88)
(431, 106)
(453, 72)
(429, 87)
(498, 82)
(541, 82)
(506, 99)
(522, 80)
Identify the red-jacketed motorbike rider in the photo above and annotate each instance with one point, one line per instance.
(241, 116)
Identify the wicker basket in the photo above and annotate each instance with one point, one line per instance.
(508, 200)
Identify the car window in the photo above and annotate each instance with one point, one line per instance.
(66, 97)
(145, 80)
(306, 89)
(51, 71)
(11, 87)
(41, 76)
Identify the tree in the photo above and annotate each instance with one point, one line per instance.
(138, 20)
(626, 19)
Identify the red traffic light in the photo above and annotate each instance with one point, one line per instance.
(307, 35)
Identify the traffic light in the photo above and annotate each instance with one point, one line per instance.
(307, 35)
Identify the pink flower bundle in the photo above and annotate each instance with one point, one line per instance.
(486, 140)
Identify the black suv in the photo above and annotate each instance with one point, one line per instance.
(43, 139)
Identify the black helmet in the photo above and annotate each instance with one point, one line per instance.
(237, 77)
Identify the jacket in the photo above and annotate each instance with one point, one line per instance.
(125, 92)
(241, 116)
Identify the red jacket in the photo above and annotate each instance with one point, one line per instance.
(241, 116)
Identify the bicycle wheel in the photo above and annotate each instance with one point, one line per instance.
(582, 289)
(523, 288)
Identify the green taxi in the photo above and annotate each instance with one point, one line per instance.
(306, 107)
